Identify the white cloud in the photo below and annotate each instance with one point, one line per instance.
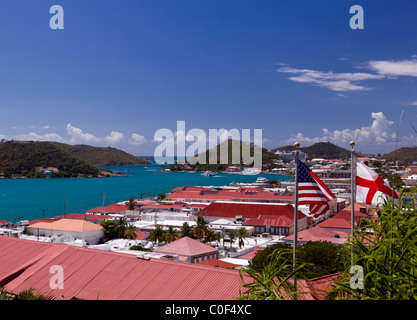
(330, 80)
(78, 136)
(379, 132)
(395, 67)
(33, 136)
(113, 138)
(137, 139)
(350, 81)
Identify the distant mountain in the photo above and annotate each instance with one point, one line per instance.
(404, 155)
(102, 156)
(30, 159)
(325, 150)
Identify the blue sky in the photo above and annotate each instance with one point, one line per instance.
(121, 70)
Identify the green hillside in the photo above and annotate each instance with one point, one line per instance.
(221, 162)
(404, 155)
(326, 150)
(102, 156)
(22, 158)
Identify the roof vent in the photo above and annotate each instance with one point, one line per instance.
(142, 257)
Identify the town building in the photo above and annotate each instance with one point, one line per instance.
(188, 250)
(251, 213)
(79, 229)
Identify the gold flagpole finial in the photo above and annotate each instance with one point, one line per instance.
(297, 145)
(352, 144)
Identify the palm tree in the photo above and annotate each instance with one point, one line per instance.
(119, 228)
(157, 235)
(200, 229)
(241, 233)
(212, 236)
(171, 234)
(161, 196)
(232, 236)
(130, 232)
(186, 230)
(131, 204)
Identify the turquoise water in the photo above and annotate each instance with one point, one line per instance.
(31, 198)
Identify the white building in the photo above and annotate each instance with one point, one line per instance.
(79, 229)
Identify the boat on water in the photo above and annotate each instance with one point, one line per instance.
(251, 171)
(208, 173)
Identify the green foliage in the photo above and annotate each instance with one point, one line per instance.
(241, 234)
(274, 282)
(29, 294)
(186, 230)
(131, 204)
(171, 234)
(264, 257)
(321, 258)
(200, 229)
(157, 235)
(388, 254)
(119, 228)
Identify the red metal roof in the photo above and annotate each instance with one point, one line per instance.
(113, 208)
(281, 221)
(163, 206)
(187, 247)
(229, 195)
(219, 264)
(321, 286)
(95, 274)
(320, 234)
(248, 210)
(83, 216)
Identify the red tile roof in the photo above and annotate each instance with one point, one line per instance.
(103, 275)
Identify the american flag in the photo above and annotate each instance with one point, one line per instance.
(312, 191)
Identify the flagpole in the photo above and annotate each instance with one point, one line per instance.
(352, 186)
(294, 257)
(352, 190)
